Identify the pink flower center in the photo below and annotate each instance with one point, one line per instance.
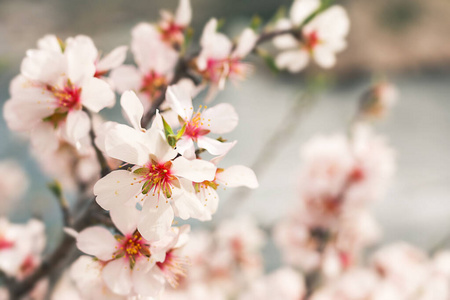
(158, 178)
(194, 127)
(132, 247)
(5, 244)
(172, 33)
(67, 98)
(151, 84)
(219, 69)
(173, 267)
(312, 40)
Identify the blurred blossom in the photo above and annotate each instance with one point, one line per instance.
(284, 283)
(13, 184)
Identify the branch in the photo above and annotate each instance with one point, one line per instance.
(56, 189)
(105, 169)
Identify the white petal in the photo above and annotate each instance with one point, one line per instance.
(125, 78)
(186, 147)
(183, 15)
(113, 60)
(24, 115)
(238, 176)
(97, 94)
(180, 101)
(150, 283)
(116, 189)
(81, 55)
(150, 52)
(97, 241)
(161, 149)
(195, 170)
(125, 219)
(208, 32)
(324, 57)
(221, 118)
(132, 109)
(127, 144)
(247, 41)
(50, 43)
(117, 276)
(43, 66)
(44, 138)
(156, 218)
(294, 61)
(185, 202)
(210, 200)
(302, 9)
(77, 126)
(214, 146)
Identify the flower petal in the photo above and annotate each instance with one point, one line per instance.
(324, 57)
(294, 60)
(113, 60)
(302, 9)
(43, 66)
(116, 189)
(185, 202)
(117, 276)
(126, 77)
(97, 94)
(125, 218)
(183, 15)
(127, 144)
(77, 126)
(247, 41)
(235, 176)
(150, 283)
(195, 170)
(132, 109)
(97, 241)
(214, 146)
(50, 43)
(180, 101)
(156, 218)
(221, 118)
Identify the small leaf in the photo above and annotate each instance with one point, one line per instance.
(141, 171)
(255, 23)
(146, 187)
(167, 129)
(172, 140)
(181, 131)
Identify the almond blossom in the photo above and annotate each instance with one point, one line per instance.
(130, 264)
(155, 61)
(218, 60)
(172, 26)
(161, 181)
(321, 38)
(284, 283)
(218, 119)
(21, 246)
(13, 184)
(54, 86)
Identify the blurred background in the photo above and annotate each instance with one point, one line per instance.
(405, 41)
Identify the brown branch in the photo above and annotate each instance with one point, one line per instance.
(105, 169)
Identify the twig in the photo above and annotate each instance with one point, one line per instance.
(105, 169)
(56, 189)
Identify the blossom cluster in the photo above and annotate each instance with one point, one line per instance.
(139, 185)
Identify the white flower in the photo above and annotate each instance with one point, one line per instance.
(130, 264)
(217, 60)
(161, 181)
(219, 119)
(21, 246)
(284, 283)
(156, 61)
(54, 86)
(13, 183)
(172, 27)
(322, 37)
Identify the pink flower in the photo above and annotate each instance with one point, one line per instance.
(322, 37)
